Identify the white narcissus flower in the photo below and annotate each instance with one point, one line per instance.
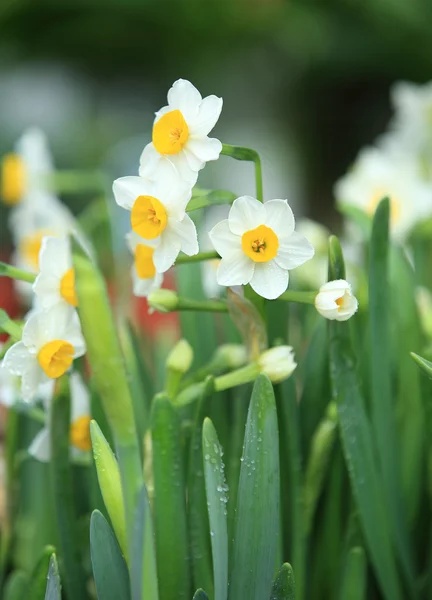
(258, 245)
(50, 342)
(145, 278)
(180, 133)
(158, 212)
(80, 441)
(277, 363)
(26, 169)
(55, 283)
(377, 174)
(335, 301)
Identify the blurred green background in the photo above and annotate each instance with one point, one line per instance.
(305, 82)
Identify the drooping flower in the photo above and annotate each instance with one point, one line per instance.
(55, 283)
(80, 442)
(258, 245)
(377, 174)
(158, 212)
(180, 133)
(27, 169)
(145, 278)
(50, 343)
(335, 301)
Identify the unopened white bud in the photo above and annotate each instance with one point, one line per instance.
(335, 301)
(277, 363)
(180, 358)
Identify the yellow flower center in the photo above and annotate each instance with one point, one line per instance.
(80, 433)
(395, 205)
(30, 246)
(13, 179)
(55, 358)
(148, 217)
(144, 261)
(340, 302)
(260, 244)
(67, 287)
(170, 133)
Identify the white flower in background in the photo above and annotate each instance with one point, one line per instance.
(50, 342)
(180, 133)
(377, 174)
(335, 301)
(258, 245)
(26, 170)
(213, 215)
(412, 123)
(158, 212)
(55, 283)
(80, 441)
(145, 278)
(277, 363)
(9, 386)
(313, 271)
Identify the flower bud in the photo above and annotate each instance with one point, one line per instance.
(163, 301)
(231, 356)
(180, 358)
(277, 363)
(335, 300)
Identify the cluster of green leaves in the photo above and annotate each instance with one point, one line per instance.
(328, 472)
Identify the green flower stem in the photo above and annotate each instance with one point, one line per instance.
(203, 198)
(241, 153)
(9, 326)
(7, 270)
(77, 181)
(211, 255)
(172, 382)
(300, 297)
(166, 301)
(202, 305)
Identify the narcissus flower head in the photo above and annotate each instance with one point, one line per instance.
(79, 431)
(55, 283)
(335, 301)
(258, 245)
(277, 363)
(180, 133)
(145, 278)
(50, 343)
(158, 213)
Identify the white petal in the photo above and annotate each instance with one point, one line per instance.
(223, 240)
(181, 163)
(204, 149)
(279, 217)
(47, 290)
(195, 163)
(187, 234)
(127, 189)
(55, 256)
(294, 251)
(31, 381)
(166, 253)
(17, 359)
(80, 397)
(40, 448)
(133, 239)
(150, 163)
(186, 98)
(143, 287)
(269, 280)
(238, 269)
(208, 115)
(246, 213)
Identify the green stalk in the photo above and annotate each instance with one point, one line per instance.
(9, 326)
(242, 153)
(7, 270)
(297, 296)
(211, 255)
(205, 198)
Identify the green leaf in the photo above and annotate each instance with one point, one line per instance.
(53, 588)
(199, 530)
(38, 578)
(358, 446)
(216, 488)
(62, 486)
(144, 583)
(172, 545)
(257, 520)
(383, 409)
(425, 365)
(17, 586)
(355, 576)
(284, 584)
(109, 567)
(200, 595)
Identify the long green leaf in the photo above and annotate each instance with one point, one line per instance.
(172, 546)
(109, 568)
(144, 583)
(383, 408)
(425, 365)
(354, 580)
(284, 584)
(358, 445)
(257, 520)
(53, 588)
(38, 578)
(17, 586)
(216, 488)
(200, 595)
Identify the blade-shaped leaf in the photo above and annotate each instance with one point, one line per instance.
(354, 580)
(53, 588)
(17, 585)
(200, 595)
(425, 365)
(39, 576)
(109, 567)
(144, 583)
(257, 519)
(284, 584)
(216, 488)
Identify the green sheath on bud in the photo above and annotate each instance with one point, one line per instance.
(109, 482)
